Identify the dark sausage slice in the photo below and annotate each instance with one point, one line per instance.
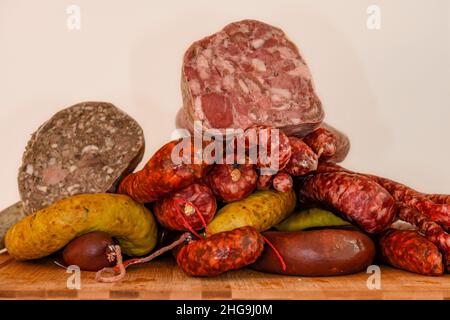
(86, 148)
(325, 252)
(357, 198)
(410, 251)
(221, 252)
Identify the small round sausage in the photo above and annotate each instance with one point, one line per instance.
(283, 182)
(232, 182)
(91, 251)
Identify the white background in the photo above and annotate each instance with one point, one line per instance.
(388, 89)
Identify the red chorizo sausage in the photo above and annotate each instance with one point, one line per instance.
(303, 159)
(232, 182)
(436, 211)
(410, 251)
(342, 144)
(264, 182)
(430, 229)
(221, 252)
(283, 182)
(322, 142)
(162, 176)
(270, 146)
(197, 195)
(357, 198)
(439, 198)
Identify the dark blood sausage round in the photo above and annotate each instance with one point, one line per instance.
(232, 182)
(161, 175)
(408, 250)
(283, 182)
(91, 251)
(325, 252)
(438, 211)
(249, 73)
(221, 252)
(86, 148)
(357, 198)
(303, 159)
(199, 195)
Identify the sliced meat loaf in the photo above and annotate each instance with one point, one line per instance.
(249, 73)
(86, 148)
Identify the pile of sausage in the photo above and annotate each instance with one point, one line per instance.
(217, 216)
(185, 197)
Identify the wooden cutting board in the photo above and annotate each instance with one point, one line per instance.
(162, 279)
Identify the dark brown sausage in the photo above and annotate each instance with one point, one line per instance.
(91, 251)
(407, 250)
(325, 252)
(221, 252)
(357, 198)
(232, 182)
(303, 159)
(196, 194)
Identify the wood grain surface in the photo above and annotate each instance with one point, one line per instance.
(162, 279)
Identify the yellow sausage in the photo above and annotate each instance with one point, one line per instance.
(261, 210)
(310, 218)
(50, 229)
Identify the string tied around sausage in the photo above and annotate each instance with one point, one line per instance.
(197, 212)
(119, 270)
(277, 253)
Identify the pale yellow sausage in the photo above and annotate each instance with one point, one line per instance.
(261, 210)
(50, 229)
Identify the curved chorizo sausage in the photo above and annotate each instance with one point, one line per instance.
(162, 176)
(357, 198)
(410, 251)
(221, 252)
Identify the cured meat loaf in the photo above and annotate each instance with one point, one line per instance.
(248, 73)
(85, 148)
